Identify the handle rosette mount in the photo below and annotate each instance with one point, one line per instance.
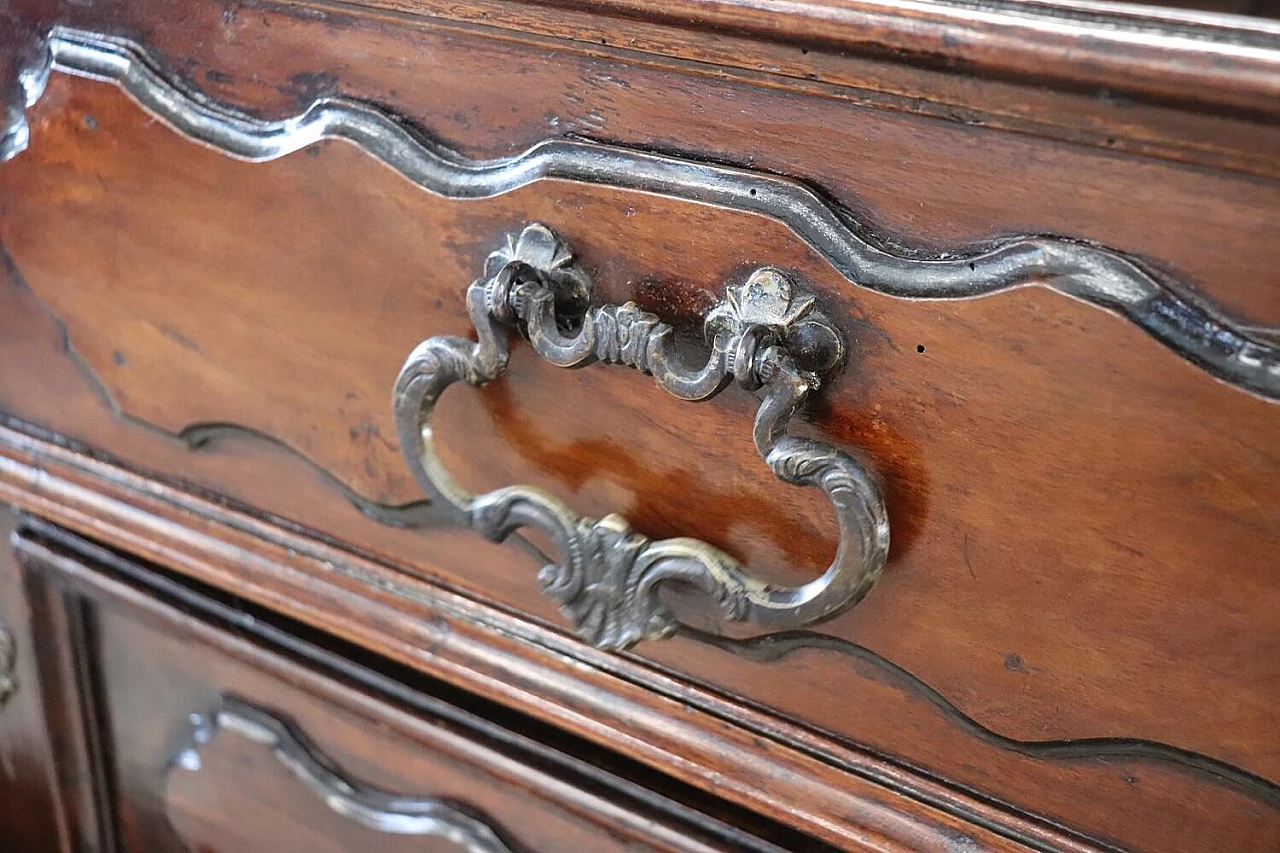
(764, 336)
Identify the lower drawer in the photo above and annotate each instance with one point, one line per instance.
(206, 729)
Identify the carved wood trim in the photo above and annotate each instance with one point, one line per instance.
(375, 809)
(776, 648)
(199, 437)
(1232, 352)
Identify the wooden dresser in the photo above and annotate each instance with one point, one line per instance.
(918, 488)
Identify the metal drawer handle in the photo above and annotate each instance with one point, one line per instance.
(762, 335)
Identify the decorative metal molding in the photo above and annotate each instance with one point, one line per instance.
(607, 582)
(8, 663)
(1233, 353)
(377, 810)
(20, 94)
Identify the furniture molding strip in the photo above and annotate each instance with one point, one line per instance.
(1234, 353)
(1147, 51)
(371, 808)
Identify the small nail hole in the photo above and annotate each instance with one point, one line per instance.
(753, 192)
(970, 266)
(919, 347)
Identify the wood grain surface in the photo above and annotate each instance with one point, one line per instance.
(1080, 596)
(782, 772)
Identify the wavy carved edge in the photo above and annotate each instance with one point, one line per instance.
(779, 646)
(202, 436)
(1238, 355)
(370, 807)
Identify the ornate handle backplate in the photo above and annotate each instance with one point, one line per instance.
(763, 335)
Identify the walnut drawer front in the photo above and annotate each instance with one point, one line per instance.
(199, 739)
(1052, 401)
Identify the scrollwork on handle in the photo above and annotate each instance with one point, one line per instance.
(763, 335)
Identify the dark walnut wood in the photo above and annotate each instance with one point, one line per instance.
(1084, 523)
(666, 724)
(1033, 400)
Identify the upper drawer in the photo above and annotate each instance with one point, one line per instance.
(1067, 438)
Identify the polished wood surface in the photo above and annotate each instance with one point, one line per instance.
(849, 798)
(1085, 88)
(1084, 524)
(1023, 374)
